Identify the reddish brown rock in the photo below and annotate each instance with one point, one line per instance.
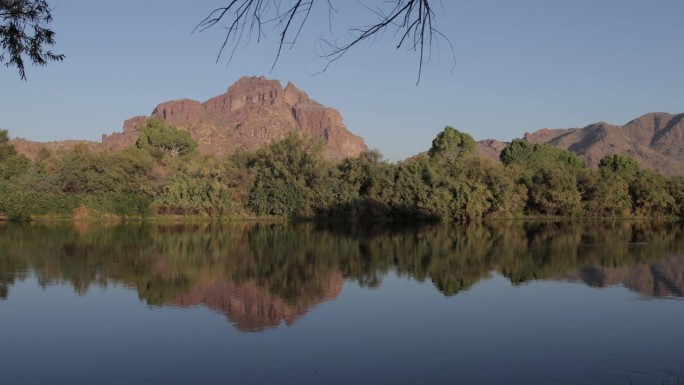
(251, 307)
(120, 140)
(490, 148)
(655, 140)
(254, 112)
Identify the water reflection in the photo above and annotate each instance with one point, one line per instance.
(663, 278)
(262, 274)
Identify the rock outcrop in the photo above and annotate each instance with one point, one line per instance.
(252, 113)
(655, 140)
(490, 148)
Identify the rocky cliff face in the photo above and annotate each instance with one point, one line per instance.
(655, 140)
(253, 112)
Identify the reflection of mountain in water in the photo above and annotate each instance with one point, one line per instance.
(658, 279)
(260, 275)
(251, 307)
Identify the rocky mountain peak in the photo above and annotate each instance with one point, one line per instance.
(252, 113)
(250, 91)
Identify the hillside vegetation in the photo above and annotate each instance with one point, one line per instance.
(163, 174)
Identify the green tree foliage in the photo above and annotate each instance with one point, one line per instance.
(452, 186)
(291, 178)
(369, 183)
(288, 175)
(363, 172)
(526, 154)
(23, 33)
(451, 145)
(162, 140)
(550, 175)
(620, 164)
(675, 186)
(6, 148)
(453, 199)
(553, 191)
(12, 164)
(607, 195)
(84, 171)
(458, 193)
(124, 186)
(115, 183)
(20, 200)
(411, 193)
(200, 187)
(14, 202)
(650, 195)
(507, 198)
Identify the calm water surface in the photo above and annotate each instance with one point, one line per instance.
(257, 303)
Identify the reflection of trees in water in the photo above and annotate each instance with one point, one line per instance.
(295, 265)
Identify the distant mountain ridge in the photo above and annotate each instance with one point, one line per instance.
(655, 140)
(256, 111)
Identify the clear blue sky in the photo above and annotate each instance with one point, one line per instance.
(519, 66)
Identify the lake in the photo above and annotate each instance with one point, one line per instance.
(303, 303)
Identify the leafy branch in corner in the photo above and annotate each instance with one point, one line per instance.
(23, 33)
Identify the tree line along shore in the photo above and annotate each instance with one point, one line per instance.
(163, 175)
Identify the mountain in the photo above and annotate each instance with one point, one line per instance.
(490, 148)
(256, 111)
(252, 113)
(655, 140)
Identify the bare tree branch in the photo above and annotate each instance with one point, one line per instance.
(240, 13)
(412, 22)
